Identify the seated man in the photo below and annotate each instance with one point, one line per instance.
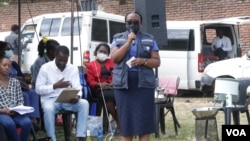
(52, 78)
(221, 45)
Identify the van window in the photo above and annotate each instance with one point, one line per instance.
(50, 27)
(115, 27)
(99, 30)
(66, 27)
(180, 40)
(88, 5)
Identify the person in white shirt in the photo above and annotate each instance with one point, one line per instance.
(221, 45)
(52, 78)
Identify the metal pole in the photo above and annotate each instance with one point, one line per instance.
(72, 31)
(19, 33)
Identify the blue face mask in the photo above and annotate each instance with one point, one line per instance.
(9, 53)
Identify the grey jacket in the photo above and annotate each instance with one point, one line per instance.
(120, 71)
(12, 38)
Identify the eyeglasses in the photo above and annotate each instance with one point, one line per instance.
(8, 49)
(132, 22)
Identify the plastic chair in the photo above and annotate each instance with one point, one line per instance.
(170, 85)
(66, 116)
(241, 106)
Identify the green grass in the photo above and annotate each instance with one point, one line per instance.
(183, 108)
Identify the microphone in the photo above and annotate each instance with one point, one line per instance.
(133, 41)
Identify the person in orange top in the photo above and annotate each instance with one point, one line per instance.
(99, 78)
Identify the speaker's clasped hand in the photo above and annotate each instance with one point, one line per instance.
(62, 84)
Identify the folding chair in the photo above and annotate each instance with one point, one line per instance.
(170, 85)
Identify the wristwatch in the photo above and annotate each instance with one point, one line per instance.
(145, 62)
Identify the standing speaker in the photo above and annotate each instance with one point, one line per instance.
(153, 19)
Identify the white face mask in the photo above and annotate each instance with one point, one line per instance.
(102, 57)
(9, 53)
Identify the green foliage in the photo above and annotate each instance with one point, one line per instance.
(3, 3)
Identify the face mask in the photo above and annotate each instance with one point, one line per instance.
(8, 53)
(133, 27)
(101, 56)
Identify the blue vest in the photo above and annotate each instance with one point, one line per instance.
(120, 71)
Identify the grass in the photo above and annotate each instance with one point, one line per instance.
(183, 108)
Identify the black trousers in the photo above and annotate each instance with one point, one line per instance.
(220, 53)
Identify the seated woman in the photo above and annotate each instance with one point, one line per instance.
(11, 96)
(29, 95)
(99, 78)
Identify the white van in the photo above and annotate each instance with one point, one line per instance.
(189, 48)
(90, 28)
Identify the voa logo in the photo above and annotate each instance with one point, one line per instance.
(236, 132)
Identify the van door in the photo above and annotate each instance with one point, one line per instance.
(178, 55)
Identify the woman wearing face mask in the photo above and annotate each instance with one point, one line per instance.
(99, 78)
(134, 84)
(29, 95)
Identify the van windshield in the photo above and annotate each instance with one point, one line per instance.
(28, 31)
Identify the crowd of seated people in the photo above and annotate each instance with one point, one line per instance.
(99, 77)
